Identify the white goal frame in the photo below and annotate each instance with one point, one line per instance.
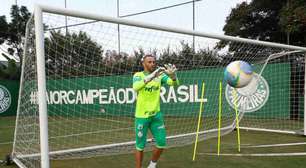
(39, 35)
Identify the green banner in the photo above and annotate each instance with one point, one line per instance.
(8, 97)
(113, 95)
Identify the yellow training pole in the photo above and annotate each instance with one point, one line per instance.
(237, 119)
(199, 122)
(220, 111)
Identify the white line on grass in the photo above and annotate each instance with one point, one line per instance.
(256, 154)
(5, 143)
(276, 145)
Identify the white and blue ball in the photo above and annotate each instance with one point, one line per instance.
(238, 74)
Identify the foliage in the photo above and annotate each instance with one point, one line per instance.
(293, 21)
(12, 34)
(3, 29)
(269, 20)
(9, 71)
(281, 21)
(72, 54)
(187, 58)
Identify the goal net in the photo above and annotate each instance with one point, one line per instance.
(89, 62)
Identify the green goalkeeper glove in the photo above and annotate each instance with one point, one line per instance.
(154, 74)
(170, 71)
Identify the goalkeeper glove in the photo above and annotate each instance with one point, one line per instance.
(154, 74)
(170, 71)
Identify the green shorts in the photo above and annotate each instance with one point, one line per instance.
(157, 128)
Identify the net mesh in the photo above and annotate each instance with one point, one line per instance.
(91, 103)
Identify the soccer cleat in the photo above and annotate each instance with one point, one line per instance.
(152, 164)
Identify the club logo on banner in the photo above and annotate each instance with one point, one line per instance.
(5, 99)
(250, 98)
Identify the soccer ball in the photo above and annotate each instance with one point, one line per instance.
(238, 74)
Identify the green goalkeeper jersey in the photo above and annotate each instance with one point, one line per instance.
(148, 95)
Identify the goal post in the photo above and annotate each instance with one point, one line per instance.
(76, 99)
(304, 98)
(41, 87)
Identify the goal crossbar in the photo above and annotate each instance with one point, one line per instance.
(86, 15)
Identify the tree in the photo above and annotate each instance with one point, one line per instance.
(269, 20)
(73, 55)
(293, 21)
(3, 29)
(281, 21)
(12, 33)
(186, 58)
(9, 71)
(259, 19)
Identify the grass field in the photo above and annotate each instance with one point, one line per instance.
(181, 157)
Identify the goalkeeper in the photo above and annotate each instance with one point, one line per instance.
(147, 84)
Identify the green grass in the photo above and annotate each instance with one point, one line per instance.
(181, 157)
(7, 126)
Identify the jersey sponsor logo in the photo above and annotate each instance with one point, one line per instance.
(150, 113)
(5, 99)
(136, 78)
(151, 88)
(250, 98)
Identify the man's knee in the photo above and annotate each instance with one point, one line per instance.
(161, 142)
